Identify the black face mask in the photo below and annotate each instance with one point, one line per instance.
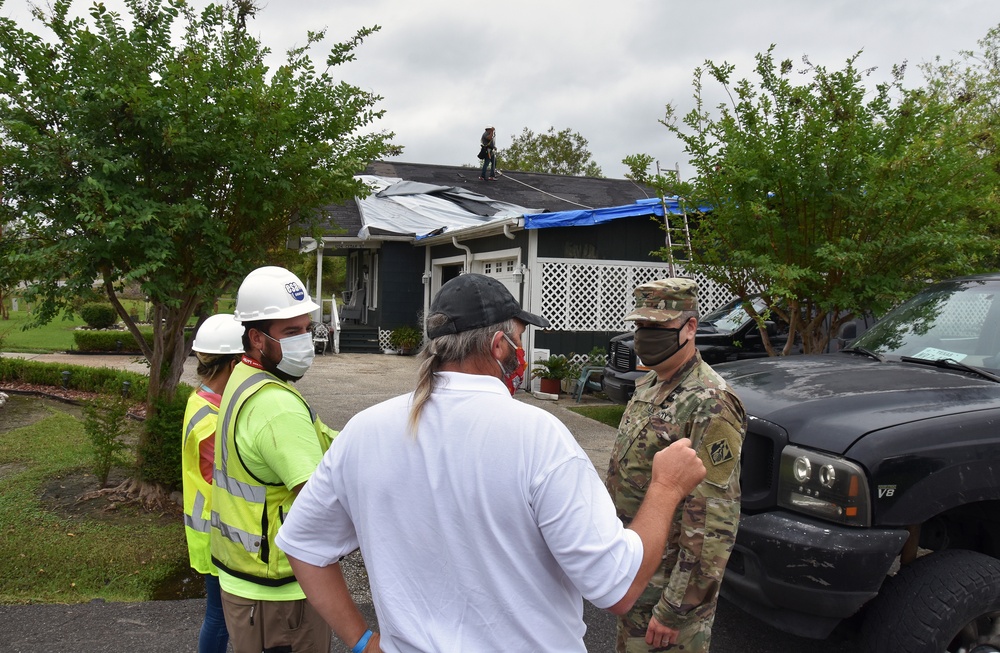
(653, 346)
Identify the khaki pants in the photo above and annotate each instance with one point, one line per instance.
(274, 626)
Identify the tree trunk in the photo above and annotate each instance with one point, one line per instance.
(166, 364)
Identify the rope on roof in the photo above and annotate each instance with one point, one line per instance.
(562, 199)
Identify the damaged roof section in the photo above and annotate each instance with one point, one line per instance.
(412, 208)
(428, 200)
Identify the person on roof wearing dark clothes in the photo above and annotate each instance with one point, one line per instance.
(488, 153)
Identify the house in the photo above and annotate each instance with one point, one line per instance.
(569, 248)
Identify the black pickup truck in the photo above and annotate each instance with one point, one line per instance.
(871, 480)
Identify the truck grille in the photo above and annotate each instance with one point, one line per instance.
(621, 357)
(759, 464)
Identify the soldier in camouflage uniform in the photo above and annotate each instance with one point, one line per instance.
(682, 397)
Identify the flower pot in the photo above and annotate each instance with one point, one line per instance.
(549, 386)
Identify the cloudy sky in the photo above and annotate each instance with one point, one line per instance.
(445, 68)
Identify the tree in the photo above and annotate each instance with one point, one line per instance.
(972, 84)
(173, 160)
(828, 203)
(562, 153)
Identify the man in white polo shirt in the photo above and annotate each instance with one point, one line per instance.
(482, 522)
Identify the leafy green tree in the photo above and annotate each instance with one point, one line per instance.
(159, 150)
(972, 84)
(560, 153)
(829, 198)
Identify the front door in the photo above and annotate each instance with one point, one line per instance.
(502, 269)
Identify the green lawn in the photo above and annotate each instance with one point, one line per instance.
(74, 551)
(606, 414)
(57, 335)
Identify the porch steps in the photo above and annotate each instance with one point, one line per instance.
(360, 340)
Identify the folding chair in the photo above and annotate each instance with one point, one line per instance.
(584, 381)
(321, 337)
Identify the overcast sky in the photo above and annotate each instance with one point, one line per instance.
(446, 68)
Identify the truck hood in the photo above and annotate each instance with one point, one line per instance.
(829, 401)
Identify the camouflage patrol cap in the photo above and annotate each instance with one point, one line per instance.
(664, 300)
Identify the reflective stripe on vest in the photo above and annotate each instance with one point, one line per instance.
(250, 542)
(202, 413)
(245, 491)
(194, 521)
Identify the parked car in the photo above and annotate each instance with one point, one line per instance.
(727, 333)
(871, 480)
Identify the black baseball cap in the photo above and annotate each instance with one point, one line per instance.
(473, 301)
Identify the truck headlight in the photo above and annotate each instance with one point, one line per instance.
(824, 486)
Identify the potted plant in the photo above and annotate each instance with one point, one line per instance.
(405, 339)
(551, 372)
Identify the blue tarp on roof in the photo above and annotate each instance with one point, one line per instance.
(590, 217)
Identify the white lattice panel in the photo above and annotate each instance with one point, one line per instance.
(596, 295)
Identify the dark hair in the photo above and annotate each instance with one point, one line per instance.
(263, 326)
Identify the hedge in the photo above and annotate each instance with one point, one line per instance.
(81, 377)
(108, 341)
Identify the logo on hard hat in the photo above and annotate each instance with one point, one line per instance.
(295, 290)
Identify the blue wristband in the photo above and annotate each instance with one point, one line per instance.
(362, 643)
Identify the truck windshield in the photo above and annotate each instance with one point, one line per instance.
(731, 316)
(957, 320)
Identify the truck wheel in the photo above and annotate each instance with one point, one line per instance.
(944, 601)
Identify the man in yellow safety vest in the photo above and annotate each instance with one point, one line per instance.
(268, 445)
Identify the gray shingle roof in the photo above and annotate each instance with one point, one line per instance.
(528, 189)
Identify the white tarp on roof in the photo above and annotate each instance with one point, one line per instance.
(415, 209)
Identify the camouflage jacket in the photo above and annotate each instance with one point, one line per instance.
(695, 403)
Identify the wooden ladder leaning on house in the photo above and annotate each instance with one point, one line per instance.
(673, 243)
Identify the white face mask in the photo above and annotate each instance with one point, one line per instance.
(297, 354)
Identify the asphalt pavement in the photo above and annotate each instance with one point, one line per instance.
(337, 387)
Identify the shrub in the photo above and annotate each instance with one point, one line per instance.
(87, 296)
(89, 379)
(598, 357)
(109, 340)
(405, 337)
(555, 366)
(98, 315)
(106, 426)
(160, 458)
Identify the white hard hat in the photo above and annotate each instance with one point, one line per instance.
(489, 126)
(272, 293)
(219, 334)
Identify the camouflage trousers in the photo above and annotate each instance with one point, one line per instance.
(694, 638)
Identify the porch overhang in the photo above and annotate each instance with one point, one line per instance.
(333, 244)
(504, 226)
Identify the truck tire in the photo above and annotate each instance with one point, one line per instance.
(944, 601)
